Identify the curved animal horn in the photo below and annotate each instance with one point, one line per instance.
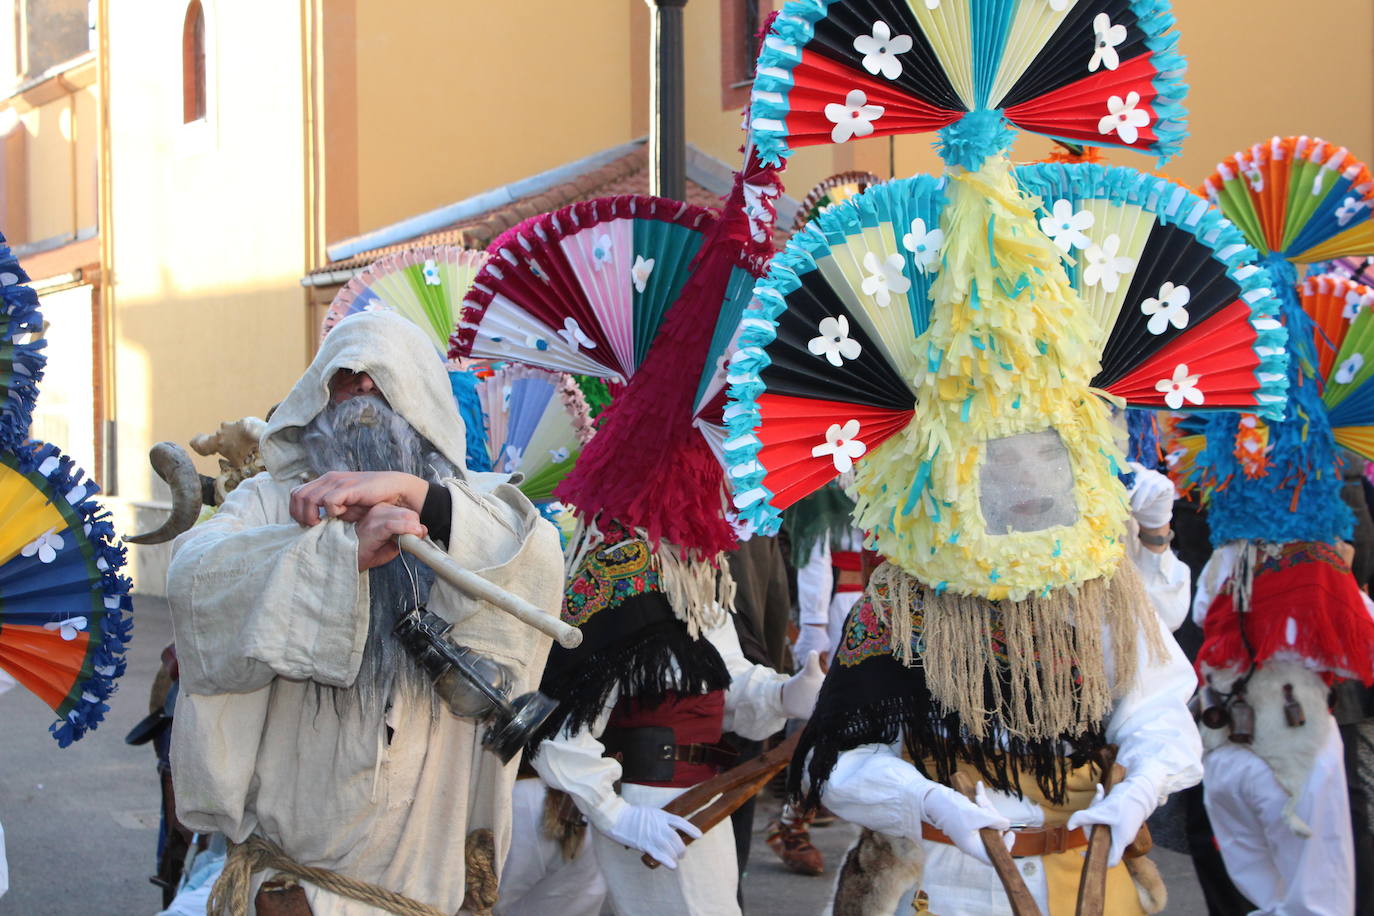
(174, 466)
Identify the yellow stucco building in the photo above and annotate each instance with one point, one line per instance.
(170, 171)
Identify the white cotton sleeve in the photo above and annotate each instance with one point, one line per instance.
(873, 786)
(815, 582)
(1213, 576)
(1151, 726)
(1167, 582)
(576, 764)
(753, 701)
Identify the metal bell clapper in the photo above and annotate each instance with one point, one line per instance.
(1292, 709)
(472, 685)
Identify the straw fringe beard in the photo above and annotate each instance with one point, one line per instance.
(1044, 701)
(366, 434)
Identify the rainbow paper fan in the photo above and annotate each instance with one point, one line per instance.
(63, 604)
(426, 285)
(836, 336)
(1343, 312)
(21, 364)
(1299, 198)
(833, 190)
(1101, 72)
(535, 424)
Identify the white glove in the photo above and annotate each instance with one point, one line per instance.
(813, 638)
(800, 690)
(654, 831)
(960, 819)
(1152, 497)
(1124, 809)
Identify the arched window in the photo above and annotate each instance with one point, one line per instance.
(193, 64)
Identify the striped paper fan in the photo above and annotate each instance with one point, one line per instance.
(63, 604)
(426, 285)
(536, 423)
(833, 190)
(1300, 198)
(838, 322)
(1173, 287)
(1102, 72)
(1348, 371)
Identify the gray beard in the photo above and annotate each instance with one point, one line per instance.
(365, 434)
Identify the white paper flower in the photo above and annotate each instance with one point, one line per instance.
(1059, 5)
(602, 252)
(1350, 368)
(1348, 210)
(854, 118)
(1179, 388)
(1168, 307)
(559, 455)
(1065, 227)
(1352, 306)
(1106, 37)
(572, 333)
(924, 245)
(639, 273)
(1124, 118)
(1104, 266)
(8, 278)
(884, 278)
(880, 50)
(535, 342)
(46, 545)
(1319, 184)
(431, 272)
(841, 445)
(932, 4)
(68, 628)
(1255, 176)
(834, 342)
(511, 459)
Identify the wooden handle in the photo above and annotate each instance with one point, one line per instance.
(1092, 883)
(730, 790)
(474, 586)
(1022, 901)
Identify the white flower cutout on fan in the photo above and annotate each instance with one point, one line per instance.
(1169, 307)
(923, 244)
(1348, 210)
(1180, 388)
(1255, 176)
(1059, 5)
(602, 252)
(834, 342)
(46, 545)
(1065, 227)
(431, 273)
(1350, 368)
(884, 278)
(68, 628)
(559, 455)
(1353, 301)
(8, 278)
(880, 50)
(1106, 37)
(1123, 118)
(841, 445)
(640, 272)
(512, 456)
(1104, 266)
(853, 118)
(572, 333)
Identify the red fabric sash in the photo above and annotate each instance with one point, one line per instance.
(694, 720)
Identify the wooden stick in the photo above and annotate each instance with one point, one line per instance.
(730, 790)
(474, 586)
(1022, 901)
(1092, 883)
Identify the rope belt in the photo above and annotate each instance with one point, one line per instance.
(230, 894)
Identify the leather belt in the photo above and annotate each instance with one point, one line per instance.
(649, 753)
(1030, 841)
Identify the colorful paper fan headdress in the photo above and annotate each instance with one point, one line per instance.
(21, 364)
(833, 190)
(647, 292)
(1297, 200)
(63, 604)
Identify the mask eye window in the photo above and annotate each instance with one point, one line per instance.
(1026, 483)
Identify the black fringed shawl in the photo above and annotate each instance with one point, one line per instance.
(631, 639)
(870, 697)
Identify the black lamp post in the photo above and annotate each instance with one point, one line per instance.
(667, 115)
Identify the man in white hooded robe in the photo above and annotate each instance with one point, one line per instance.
(282, 730)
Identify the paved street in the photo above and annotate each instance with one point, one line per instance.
(81, 823)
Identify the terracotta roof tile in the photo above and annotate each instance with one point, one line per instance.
(626, 175)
